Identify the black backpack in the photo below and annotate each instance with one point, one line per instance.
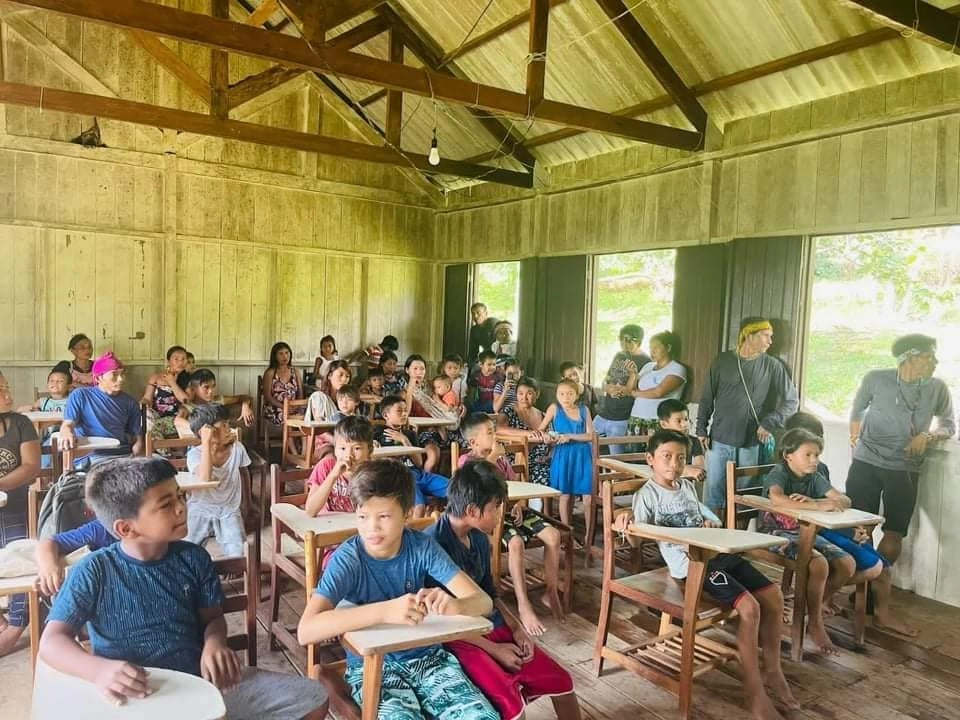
(64, 507)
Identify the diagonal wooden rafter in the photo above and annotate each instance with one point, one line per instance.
(421, 45)
(394, 119)
(662, 70)
(54, 100)
(263, 12)
(173, 63)
(537, 42)
(258, 83)
(245, 40)
(373, 97)
(928, 21)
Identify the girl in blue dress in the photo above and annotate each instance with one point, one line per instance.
(571, 469)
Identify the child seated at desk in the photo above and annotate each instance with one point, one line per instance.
(348, 402)
(203, 390)
(393, 433)
(520, 525)
(505, 664)
(383, 571)
(483, 380)
(58, 387)
(673, 415)
(452, 367)
(220, 458)
(328, 489)
(371, 393)
(838, 559)
(670, 500)
(153, 600)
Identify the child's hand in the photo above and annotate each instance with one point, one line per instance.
(694, 473)
(397, 436)
(797, 497)
(496, 452)
(119, 680)
(525, 643)
(438, 601)
(516, 514)
(711, 524)
(246, 415)
(861, 535)
(622, 521)
(404, 610)
(49, 579)
(509, 655)
(219, 664)
(562, 439)
(206, 434)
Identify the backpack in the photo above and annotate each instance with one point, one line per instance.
(64, 507)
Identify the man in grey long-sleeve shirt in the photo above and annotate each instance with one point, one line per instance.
(890, 430)
(742, 421)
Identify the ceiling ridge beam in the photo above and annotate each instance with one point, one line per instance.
(644, 46)
(54, 100)
(246, 40)
(916, 16)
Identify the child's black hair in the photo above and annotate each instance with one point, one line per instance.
(389, 342)
(451, 357)
(486, 355)
(792, 440)
(388, 355)
(202, 376)
(76, 340)
(530, 382)
(355, 429)
(472, 422)
(207, 414)
(115, 488)
(375, 372)
(477, 483)
(664, 436)
(330, 339)
(670, 406)
(183, 379)
(382, 479)
(389, 401)
(175, 349)
(348, 391)
(60, 371)
(807, 421)
(567, 364)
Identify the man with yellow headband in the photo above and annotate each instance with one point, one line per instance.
(747, 395)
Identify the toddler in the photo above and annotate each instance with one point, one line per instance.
(483, 380)
(348, 401)
(452, 367)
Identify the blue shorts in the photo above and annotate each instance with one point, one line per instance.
(865, 555)
(826, 548)
(428, 484)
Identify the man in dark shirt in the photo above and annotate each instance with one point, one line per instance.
(481, 333)
(748, 394)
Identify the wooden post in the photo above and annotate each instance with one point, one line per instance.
(219, 68)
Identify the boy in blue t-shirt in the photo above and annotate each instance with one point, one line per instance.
(383, 570)
(151, 600)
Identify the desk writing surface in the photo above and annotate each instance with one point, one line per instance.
(92, 442)
(429, 422)
(57, 695)
(390, 451)
(310, 424)
(719, 540)
(822, 518)
(301, 523)
(19, 567)
(517, 490)
(434, 629)
(39, 416)
(189, 481)
(641, 471)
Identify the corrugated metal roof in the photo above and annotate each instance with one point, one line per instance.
(591, 65)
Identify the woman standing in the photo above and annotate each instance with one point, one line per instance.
(520, 422)
(19, 465)
(81, 367)
(661, 378)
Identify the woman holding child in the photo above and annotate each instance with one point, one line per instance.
(165, 393)
(81, 367)
(19, 465)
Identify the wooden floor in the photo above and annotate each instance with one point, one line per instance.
(893, 680)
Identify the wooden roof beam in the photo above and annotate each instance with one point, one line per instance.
(54, 100)
(394, 97)
(219, 67)
(334, 12)
(255, 85)
(263, 13)
(372, 98)
(170, 61)
(421, 45)
(929, 21)
(284, 49)
(537, 46)
(361, 33)
(662, 70)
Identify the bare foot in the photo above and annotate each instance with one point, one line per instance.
(888, 623)
(552, 600)
(819, 635)
(528, 618)
(781, 689)
(9, 637)
(761, 708)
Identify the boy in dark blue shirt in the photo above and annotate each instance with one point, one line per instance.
(152, 600)
(383, 572)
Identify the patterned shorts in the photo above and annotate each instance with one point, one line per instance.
(529, 527)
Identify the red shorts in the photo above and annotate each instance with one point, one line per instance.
(510, 692)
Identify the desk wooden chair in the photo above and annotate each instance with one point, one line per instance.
(173, 450)
(41, 485)
(676, 655)
(286, 559)
(293, 408)
(244, 601)
(592, 502)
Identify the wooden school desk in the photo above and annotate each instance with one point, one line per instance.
(397, 451)
(517, 490)
(422, 423)
(309, 429)
(636, 470)
(189, 482)
(702, 545)
(811, 521)
(43, 419)
(374, 642)
(175, 695)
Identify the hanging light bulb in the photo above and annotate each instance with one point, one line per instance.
(434, 157)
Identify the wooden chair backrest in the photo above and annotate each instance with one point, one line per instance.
(611, 485)
(753, 476)
(605, 441)
(176, 447)
(245, 601)
(517, 448)
(38, 393)
(278, 480)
